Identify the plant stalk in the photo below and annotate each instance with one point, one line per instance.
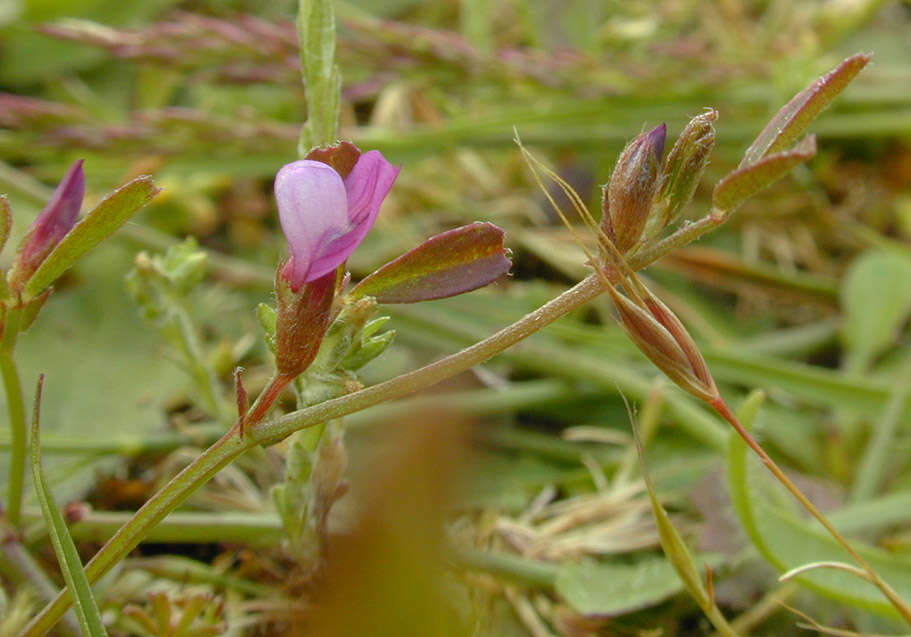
(897, 602)
(15, 407)
(231, 445)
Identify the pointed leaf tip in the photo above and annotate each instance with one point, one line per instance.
(795, 116)
(450, 263)
(99, 224)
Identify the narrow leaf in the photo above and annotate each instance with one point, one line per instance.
(746, 181)
(456, 261)
(671, 542)
(70, 564)
(97, 226)
(796, 115)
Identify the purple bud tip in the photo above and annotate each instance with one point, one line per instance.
(654, 140)
(52, 224)
(60, 214)
(324, 217)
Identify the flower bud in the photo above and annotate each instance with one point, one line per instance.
(628, 197)
(50, 226)
(301, 321)
(683, 169)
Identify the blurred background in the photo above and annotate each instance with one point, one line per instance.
(531, 475)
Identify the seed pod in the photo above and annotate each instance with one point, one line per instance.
(660, 335)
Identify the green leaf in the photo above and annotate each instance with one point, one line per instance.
(747, 180)
(453, 262)
(605, 588)
(89, 335)
(787, 541)
(97, 226)
(876, 296)
(794, 117)
(70, 564)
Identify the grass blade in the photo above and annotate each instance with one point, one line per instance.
(70, 564)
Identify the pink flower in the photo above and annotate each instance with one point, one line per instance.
(51, 225)
(324, 217)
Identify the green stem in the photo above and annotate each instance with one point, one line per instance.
(230, 446)
(897, 602)
(719, 622)
(188, 341)
(518, 569)
(180, 526)
(768, 605)
(17, 426)
(125, 445)
(322, 81)
(684, 235)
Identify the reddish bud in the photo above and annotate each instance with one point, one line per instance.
(50, 226)
(302, 319)
(628, 197)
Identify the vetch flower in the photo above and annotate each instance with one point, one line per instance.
(325, 217)
(50, 226)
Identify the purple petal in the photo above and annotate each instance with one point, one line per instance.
(312, 209)
(367, 185)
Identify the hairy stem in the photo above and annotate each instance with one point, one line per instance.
(684, 235)
(231, 445)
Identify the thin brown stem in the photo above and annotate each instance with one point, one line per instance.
(724, 411)
(262, 405)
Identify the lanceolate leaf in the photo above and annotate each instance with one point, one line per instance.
(450, 263)
(747, 180)
(97, 226)
(796, 115)
(70, 565)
